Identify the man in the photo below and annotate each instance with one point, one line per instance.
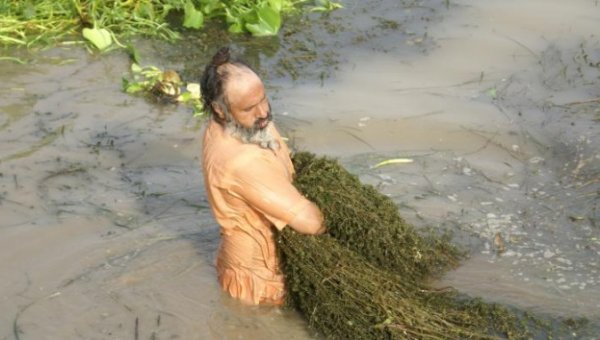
(248, 177)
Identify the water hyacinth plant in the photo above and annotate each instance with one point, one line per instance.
(163, 86)
(32, 23)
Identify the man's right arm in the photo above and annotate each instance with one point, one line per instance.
(309, 220)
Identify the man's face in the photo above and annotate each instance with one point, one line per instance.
(247, 112)
(248, 103)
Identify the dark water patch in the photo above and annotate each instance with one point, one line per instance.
(310, 46)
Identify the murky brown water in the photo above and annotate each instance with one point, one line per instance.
(104, 224)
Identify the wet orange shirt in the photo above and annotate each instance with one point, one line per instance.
(250, 190)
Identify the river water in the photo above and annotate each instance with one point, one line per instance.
(105, 228)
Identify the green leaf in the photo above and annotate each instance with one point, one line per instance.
(145, 10)
(135, 68)
(194, 90)
(270, 17)
(133, 54)
(235, 22)
(99, 37)
(325, 6)
(318, 9)
(193, 18)
(209, 6)
(16, 60)
(184, 97)
(229, 17)
(276, 5)
(269, 22)
(392, 161)
(236, 27)
(134, 87)
(5, 39)
(335, 5)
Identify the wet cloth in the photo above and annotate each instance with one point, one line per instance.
(250, 190)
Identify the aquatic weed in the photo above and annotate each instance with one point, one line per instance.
(366, 278)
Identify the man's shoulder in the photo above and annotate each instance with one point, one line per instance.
(222, 152)
(217, 145)
(227, 155)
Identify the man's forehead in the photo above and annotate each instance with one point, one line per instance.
(241, 79)
(238, 73)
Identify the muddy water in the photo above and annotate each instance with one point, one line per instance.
(105, 227)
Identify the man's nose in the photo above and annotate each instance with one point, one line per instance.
(263, 110)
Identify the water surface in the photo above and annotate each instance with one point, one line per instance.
(105, 226)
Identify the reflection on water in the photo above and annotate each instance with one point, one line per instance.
(106, 231)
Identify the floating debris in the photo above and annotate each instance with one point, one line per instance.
(393, 161)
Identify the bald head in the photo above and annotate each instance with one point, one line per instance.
(238, 79)
(216, 77)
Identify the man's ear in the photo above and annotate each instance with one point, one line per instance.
(218, 110)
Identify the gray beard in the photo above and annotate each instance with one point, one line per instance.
(261, 137)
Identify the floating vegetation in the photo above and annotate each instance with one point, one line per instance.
(163, 86)
(366, 278)
(104, 23)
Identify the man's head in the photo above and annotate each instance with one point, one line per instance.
(235, 97)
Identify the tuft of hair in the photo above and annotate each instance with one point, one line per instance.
(222, 56)
(214, 78)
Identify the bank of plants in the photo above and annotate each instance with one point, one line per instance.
(105, 24)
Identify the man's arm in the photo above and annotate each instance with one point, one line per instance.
(309, 220)
(264, 185)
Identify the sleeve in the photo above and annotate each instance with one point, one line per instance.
(264, 185)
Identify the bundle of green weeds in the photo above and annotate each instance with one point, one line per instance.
(365, 278)
(343, 296)
(367, 222)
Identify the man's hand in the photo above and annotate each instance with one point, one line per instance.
(309, 221)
